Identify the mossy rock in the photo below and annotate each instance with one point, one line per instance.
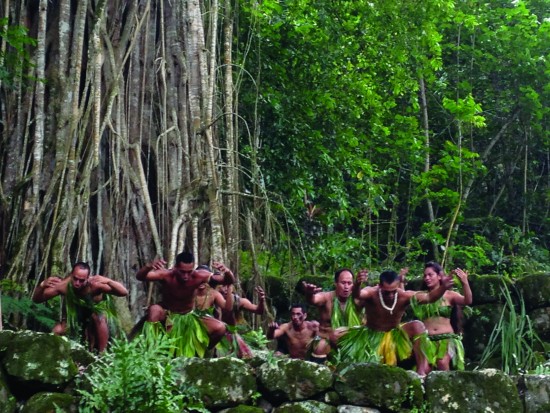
(332, 397)
(380, 386)
(292, 379)
(278, 292)
(242, 409)
(45, 402)
(346, 408)
(282, 293)
(478, 329)
(5, 337)
(40, 361)
(535, 290)
(309, 406)
(7, 401)
(486, 289)
(79, 354)
(536, 393)
(541, 322)
(416, 284)
(258, 358)
(221, 382)
(472, 391)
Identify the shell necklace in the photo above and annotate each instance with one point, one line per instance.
(390, 309)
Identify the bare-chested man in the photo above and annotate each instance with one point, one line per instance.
(336, 308)
(178, 285)
(383, 336)
(297, 334)
(85, 303)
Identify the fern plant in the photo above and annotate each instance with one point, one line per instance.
(136, 376)
(40, 317)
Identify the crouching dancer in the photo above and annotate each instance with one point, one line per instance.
(298, 334)
(88, 308)
(195, 333)
(336, 310)
(384, 338)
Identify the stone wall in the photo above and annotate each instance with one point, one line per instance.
(38, 372)
(488, 303)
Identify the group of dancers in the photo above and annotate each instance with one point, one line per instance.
(355, 322)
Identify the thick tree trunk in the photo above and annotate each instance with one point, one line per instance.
(128, 164)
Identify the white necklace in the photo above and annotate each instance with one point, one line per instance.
(390, 309)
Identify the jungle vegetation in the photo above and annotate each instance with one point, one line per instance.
(283, 137)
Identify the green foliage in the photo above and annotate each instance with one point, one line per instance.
(41, 316)
(513, 338)
(491, 245)
(542, 369)
(16, 56)
(344, 142)
(465, 110)
(475, 257)
(256, 339)
(136, 376)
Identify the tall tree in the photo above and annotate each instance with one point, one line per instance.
(112, 145)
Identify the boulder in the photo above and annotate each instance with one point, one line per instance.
(478, 329)
(331, 397)
(535, 290)
(242, 409)
(536, 393)
(486, 289)
(379, 386)
(309, 406)
(39, 361)
(292, 379)
(45, 402)
(356, 409)
(79, 354)
(222, 382)
(416, 284)
(472, 391)
(7, 401)
(258, 358)
(5, 337)
(541, 322)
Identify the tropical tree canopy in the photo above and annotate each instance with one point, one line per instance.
(282, 137)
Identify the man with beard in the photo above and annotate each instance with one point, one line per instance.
(87, 306)
(195, 332)
(298, 334)
(336, 309)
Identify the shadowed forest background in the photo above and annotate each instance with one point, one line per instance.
(284, 138)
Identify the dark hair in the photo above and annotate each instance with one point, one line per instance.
(299, 287)
(340, 271)
(436, 266)
(204, 267)
(82, 266)
(186, 257)
(299, 305)
(457, 319)
(388, 277)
